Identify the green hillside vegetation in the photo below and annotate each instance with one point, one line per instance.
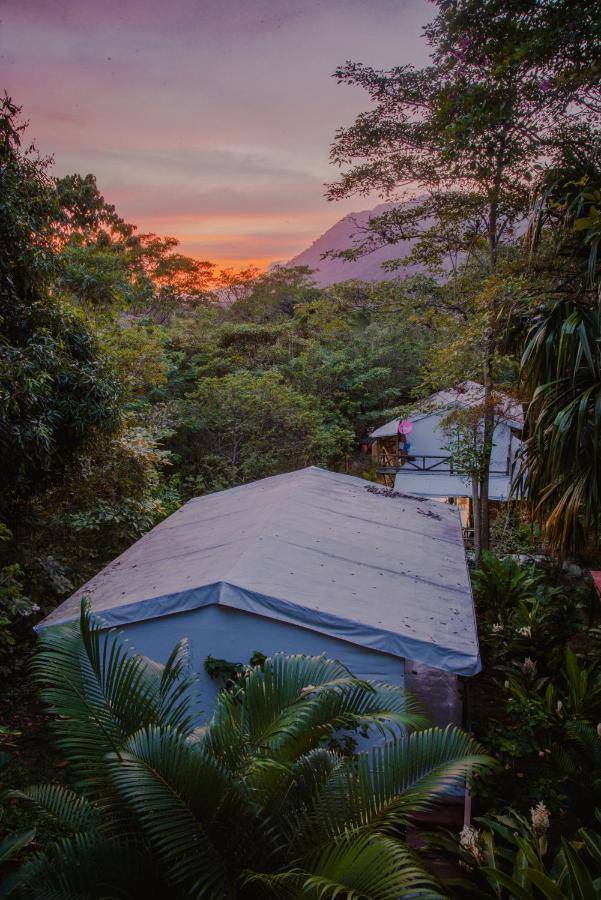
(133, 377)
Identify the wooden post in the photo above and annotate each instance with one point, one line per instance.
(467, 726)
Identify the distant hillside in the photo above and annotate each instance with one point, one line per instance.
(340, 237)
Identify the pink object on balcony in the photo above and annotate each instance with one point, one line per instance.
(596, 576)
(405, 427)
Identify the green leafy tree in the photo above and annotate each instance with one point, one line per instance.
(254, 804)
(112, 495)
(178, 282)
(55, 389)
(360, 347)
(106, 267)
(96, 277)
(84, 213)
(457, 142)
(464, 432)
(78, 483)
(16, 609)
(356, 348)
(273, 295)
(558, 41)
(245, 426)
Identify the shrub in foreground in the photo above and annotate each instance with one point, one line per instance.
(255, 804)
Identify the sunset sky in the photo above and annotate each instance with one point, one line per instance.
(209, 120)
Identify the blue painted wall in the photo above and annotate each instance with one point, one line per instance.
(233, 635)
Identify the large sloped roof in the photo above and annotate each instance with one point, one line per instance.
(461, 396)
(317, 549)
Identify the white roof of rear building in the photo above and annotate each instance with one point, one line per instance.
(462, 396)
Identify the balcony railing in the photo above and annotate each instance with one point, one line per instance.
(391, 463)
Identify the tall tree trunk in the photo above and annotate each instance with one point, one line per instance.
(489, 349)
(487, 441)
(476, 519)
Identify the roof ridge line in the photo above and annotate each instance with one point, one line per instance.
(270, 514)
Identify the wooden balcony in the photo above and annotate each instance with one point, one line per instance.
(391, 463)
(414, 462)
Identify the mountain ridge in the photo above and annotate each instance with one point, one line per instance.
(340, 237)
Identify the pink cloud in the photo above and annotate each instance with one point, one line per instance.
(202, 112)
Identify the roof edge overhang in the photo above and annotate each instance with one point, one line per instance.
(423, 484)
(419, 415)
(233, 596)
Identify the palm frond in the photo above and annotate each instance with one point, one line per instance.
(101, 691)
(255, 798)
(91, 867)
(561, 365)
(68, 808)
(12, 844)
(178, 793)
(286, 797)
(290, 704)
(384, 788)
(354, 867)
(366, 867)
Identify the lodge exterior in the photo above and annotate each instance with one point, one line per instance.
(420, 462)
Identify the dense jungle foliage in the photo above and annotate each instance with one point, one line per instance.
(133, 377)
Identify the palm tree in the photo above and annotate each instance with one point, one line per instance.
(258, 803)
(562, 367)
(561, 362)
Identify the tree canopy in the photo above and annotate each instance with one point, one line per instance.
(55, 387)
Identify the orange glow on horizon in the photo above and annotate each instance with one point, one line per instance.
(237, 265)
